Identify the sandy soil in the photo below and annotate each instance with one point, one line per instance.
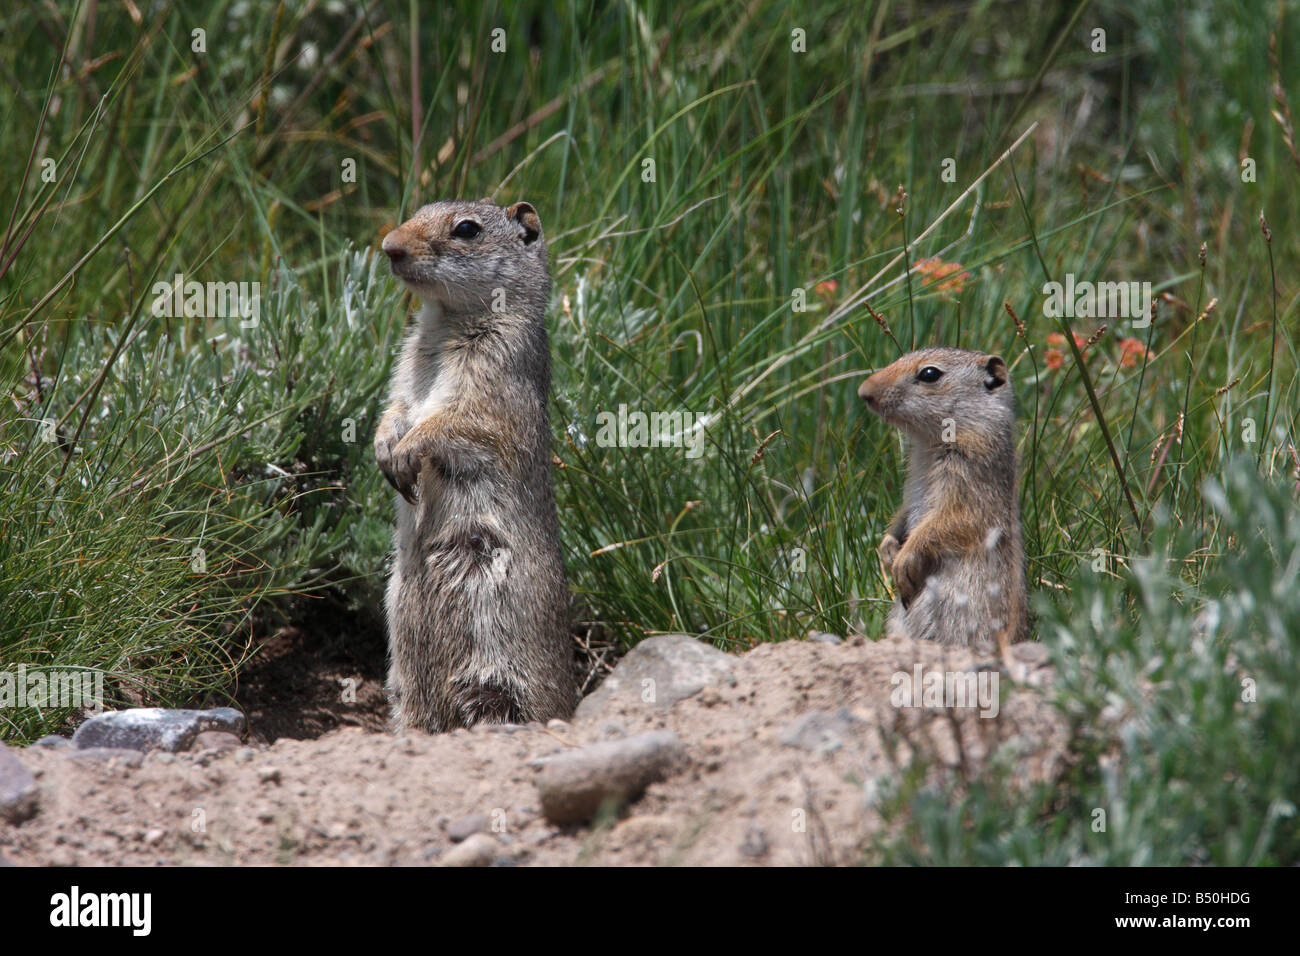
(783, 761)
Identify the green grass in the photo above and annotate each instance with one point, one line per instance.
(775, 174)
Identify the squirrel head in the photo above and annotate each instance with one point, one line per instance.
(473, 256)
(944, 396)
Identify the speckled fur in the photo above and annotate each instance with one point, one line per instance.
(955, 549)
(477, 603)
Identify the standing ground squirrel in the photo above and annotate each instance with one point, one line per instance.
(954, 549)
(477, 603)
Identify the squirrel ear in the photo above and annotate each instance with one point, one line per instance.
(996, 370)
(524, 214)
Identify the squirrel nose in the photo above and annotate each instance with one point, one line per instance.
(867, 393)
(394, 247)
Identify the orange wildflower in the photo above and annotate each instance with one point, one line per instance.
(947, 277)
(1057, 340)
(1131, 351)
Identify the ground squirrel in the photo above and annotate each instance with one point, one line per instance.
(954, 549)
(477, 603)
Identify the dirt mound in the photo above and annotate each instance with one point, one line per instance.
(784, 749)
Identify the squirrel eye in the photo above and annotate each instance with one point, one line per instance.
(466, 229)
(929, 374)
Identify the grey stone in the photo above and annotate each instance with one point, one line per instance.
(155, 728)
(664, 670)
(19, 792)
(53, 742)
(818, 731)
(479, 850)
(576, 784)
(466, 827)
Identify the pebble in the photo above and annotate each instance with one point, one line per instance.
(19, 792)
(466, 827)
(478, 850)
(576, 784)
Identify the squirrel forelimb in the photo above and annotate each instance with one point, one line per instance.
(921, 554)
(453, 447)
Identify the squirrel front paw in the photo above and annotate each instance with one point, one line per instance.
(411, 454)
(888, 549)
(911, 567)
(391, 432)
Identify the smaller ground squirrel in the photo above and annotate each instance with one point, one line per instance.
(954, 549)
(477, 603)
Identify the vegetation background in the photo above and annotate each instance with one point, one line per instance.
(831, 184)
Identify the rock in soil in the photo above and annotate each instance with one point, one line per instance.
(479, 850)
(466, 827)
(659, 672)
(155, 728)
(576, 784)
(19, 793)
